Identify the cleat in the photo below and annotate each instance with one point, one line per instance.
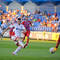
(14, 53)
(53, 50)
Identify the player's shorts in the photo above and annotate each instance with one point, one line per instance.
(17, 42)
(15, 39)
(27, 33)
(21, 43)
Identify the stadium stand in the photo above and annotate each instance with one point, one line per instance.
(44, 17)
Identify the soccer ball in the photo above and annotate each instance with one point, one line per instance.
(52, 50)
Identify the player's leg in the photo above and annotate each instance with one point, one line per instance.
(17, 50)
(26, 42)
(57, 45)
(20, 46)
(28, 33)
(24, 36)
(58, 42)
(15, 39)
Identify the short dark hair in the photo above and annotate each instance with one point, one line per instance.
(19, 19)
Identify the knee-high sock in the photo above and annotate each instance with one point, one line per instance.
(28, 40)
(58, 42)
(26, 43)
(18, 49)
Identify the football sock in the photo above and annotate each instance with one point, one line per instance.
(18, 49)
(58, 42)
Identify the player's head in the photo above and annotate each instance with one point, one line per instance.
(26, 18)
(19, 20)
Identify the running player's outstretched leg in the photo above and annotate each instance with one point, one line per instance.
(58, 42)
(17, 50)
(26, 42)
(20, 46)
(53, 50)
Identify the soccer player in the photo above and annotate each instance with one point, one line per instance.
(58, 42)
(15, 33)
(57, 45)
(27, 25)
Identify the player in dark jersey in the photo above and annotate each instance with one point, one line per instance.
(27, 25)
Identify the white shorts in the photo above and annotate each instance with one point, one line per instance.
(13, 37)
(19, 42)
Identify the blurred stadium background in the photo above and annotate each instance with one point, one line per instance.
(45, 15)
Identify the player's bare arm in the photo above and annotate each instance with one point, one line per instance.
(5, 30)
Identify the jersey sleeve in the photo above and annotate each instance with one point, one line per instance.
(11, 26)
(22, 27)
(23, 22)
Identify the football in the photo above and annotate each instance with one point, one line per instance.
(52, 50)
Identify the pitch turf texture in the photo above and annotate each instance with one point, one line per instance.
(36, 50)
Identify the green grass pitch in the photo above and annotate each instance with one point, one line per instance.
(38, 51)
